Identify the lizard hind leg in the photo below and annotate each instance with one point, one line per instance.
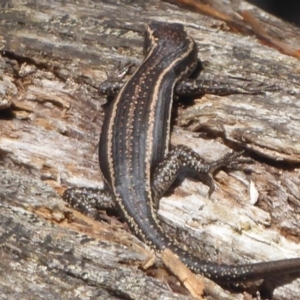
(89, 200)
(181, 156)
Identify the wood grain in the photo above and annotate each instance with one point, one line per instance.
(53, 56)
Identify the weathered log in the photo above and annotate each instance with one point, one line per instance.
(53, 57)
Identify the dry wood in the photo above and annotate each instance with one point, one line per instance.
(54, 55)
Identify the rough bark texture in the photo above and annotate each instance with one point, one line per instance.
(54, 55)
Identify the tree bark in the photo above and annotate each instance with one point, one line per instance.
(54, 54)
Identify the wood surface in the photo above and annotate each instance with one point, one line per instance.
(54, 55)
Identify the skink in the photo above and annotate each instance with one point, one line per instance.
(137, 163)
